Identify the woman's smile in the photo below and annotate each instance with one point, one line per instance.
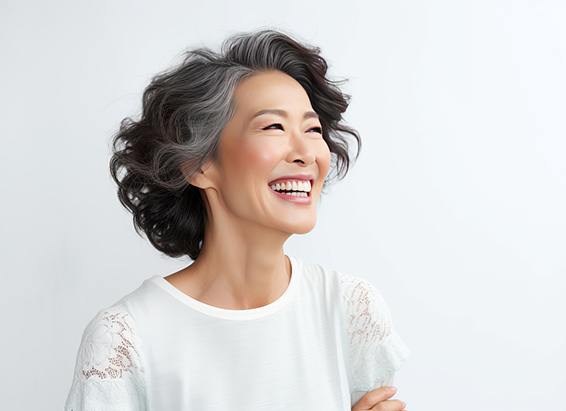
(297, 196)
(293, 188)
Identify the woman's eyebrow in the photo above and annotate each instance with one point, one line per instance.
(283, 113)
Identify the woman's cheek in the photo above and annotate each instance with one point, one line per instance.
(323, 157)
(264, 156)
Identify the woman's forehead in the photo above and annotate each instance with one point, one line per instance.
(276, 95)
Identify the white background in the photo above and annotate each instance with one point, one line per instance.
(456, 208)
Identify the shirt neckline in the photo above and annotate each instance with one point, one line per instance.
(233, 314)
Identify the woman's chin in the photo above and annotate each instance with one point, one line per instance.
(301, 227)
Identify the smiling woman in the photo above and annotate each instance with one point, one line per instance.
(230, 157)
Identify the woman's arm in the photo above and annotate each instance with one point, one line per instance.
(109, 374)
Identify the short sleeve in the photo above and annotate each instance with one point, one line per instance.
(109, 372)
(376, 351)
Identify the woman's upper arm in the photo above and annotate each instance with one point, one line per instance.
(376, 350)
(109, 372)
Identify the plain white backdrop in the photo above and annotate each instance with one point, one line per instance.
(456, 208)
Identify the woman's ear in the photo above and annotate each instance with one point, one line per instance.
(202, 177)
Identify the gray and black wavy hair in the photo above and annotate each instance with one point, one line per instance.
(184, 110)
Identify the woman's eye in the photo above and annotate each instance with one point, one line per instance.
(275, 124)
(318, 129)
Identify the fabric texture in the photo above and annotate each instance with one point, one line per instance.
(322, 344)
(109, 373)
(376, 349)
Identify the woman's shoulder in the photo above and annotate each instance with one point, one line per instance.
(347, 282)
(110, 344)
(108, 368)
(364, 307)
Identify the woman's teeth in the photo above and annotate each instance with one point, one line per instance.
(293, 188)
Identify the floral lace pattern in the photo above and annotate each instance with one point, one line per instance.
(376, 350)
(108, 350)
(108, 374)
(368, 317)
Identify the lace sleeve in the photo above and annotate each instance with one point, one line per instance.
(109, 374)
(376, 350)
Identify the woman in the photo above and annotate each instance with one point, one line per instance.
(228, 160)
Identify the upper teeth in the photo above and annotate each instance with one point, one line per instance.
(292, 185)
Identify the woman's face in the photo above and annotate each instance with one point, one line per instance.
(256, 149)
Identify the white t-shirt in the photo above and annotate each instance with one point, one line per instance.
(325, 342)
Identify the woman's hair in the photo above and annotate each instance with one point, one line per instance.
(184, 110)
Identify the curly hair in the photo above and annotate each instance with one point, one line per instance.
(184, 110)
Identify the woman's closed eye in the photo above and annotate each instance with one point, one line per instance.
(318, 129)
